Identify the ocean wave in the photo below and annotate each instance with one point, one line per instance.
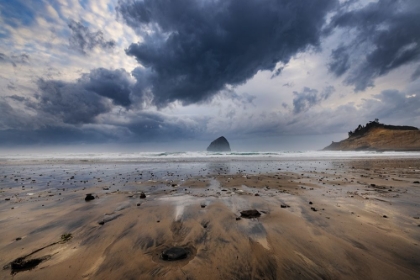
(203, 156)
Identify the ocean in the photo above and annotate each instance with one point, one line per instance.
(191, 156)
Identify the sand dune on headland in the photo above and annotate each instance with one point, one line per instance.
(358, 220)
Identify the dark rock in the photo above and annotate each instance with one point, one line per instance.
(372, 185)
(314, 209)
(310, 202)
(20, 264)
(142, 195)
(284, 206)
(174, 253)
(18, 238)
(89, 197)
(416, 182)
(238, 218)
(257, 194)
(249, 214)
(219, 145)
(385, 216)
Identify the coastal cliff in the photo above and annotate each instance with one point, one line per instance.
(375, 136)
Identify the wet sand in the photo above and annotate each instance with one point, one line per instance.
(331, 219)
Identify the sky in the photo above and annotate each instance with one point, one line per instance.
(176, 74)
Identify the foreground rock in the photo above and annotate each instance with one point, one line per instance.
(89, 197)
(221, 144)
(249, 214)
(174, 253)
(379, 137)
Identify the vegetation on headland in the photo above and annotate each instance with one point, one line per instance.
(361, 130)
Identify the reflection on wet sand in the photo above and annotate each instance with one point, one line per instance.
(316, 220)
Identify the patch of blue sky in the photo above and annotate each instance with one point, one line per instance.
(84, 3)
(17, 12)
(111, 7)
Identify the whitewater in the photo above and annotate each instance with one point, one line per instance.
(190, 156)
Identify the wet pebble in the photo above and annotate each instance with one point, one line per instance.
(89, 197)
(249, 214)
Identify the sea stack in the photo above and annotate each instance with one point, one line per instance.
(219, 145)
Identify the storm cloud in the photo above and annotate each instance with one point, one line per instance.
(387, 31)
(308, 97)
(84, 40)
(194, 49)
(114, 84)
(81, 101)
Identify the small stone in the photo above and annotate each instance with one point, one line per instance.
(314, 209)
(310, 202)
(238, 218)
(89, 197)
(257, 194)
(18, 238)
(385, 216)
(416, 182)
(138, 204)
(174, 253)
(249, 214)
(142, 195)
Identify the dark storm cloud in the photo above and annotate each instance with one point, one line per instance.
(309, 97)
(83, 40)
(193, 49)
(340, 61)
(114, 84)
(388, 32)
(70, 102)
(81, 101)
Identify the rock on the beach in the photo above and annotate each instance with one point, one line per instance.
(142, 195)
(249, 214)
(221, 144)
(174, 253)
(89, 197)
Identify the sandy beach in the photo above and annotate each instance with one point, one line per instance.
(315, 219)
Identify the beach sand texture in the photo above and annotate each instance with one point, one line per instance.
(331, 219)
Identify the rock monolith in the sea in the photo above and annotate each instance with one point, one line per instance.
(219, 145)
